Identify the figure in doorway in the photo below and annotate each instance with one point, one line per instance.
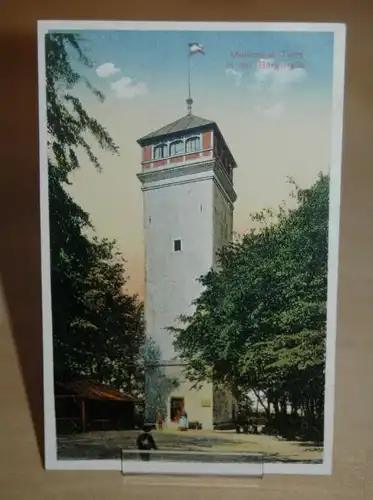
(176, 409)
(144, 442)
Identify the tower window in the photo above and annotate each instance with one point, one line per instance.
(160, 151)
(177, 245)
(176, 148)
(192, 144)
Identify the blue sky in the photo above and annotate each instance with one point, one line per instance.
(276, 123)
(159, 58)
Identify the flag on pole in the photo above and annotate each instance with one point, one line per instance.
(195, 48)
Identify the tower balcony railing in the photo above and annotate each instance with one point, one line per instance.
(179, 158)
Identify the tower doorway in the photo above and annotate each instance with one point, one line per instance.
(177, 406)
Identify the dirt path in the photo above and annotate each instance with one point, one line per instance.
(107, 445)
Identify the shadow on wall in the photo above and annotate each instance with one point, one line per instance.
(19, 216)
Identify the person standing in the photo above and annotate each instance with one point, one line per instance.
(184, 424)
(160, 422)
(145, 441)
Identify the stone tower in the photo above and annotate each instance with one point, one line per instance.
(188, 196)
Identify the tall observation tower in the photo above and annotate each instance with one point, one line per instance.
(188, 196)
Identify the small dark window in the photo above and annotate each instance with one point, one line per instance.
(177, 245)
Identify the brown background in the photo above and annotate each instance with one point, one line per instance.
(21, 419)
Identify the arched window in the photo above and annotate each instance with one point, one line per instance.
(160, 151)
(176, 148)
(192, 144)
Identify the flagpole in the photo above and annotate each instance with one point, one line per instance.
(189, 89)
(189, 101)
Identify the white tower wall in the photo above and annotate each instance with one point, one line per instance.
(175, 211)
(186, 204)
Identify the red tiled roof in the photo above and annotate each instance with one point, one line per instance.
(90, 389)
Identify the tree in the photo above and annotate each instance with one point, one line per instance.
(98, 330)
(158, 383)
(260, 321)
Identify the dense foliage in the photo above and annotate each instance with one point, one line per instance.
(260, 322)
(159, 383)
(98, 329)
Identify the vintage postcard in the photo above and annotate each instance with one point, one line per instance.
(190, 180)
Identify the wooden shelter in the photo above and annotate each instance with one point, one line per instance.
(87, 405)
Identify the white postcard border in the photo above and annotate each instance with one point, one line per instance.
(135, 467)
